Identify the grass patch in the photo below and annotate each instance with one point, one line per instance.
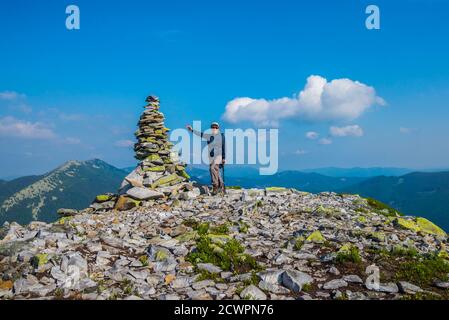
(396, 252)
(254, 280)
(423, 270)
(352, 255)
(220, 229)
(192, 223)
(234, 187)
(383, 208)
(307, 287)
(243, 227)
(202, 228)
(144, 260)
(127, 287)
(228, 256)
(299, 242)
(422, 296)
(206, 275)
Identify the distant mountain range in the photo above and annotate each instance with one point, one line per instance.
(72, 185)
(76, 183)
(420, 193)
(311, 182)
(359, 172)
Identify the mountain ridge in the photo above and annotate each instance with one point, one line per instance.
(72, 184)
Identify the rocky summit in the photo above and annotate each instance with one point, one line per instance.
(269, 243)
(163, 237)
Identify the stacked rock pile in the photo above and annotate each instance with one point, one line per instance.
(160, 173)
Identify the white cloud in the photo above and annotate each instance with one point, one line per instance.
(355, 131)
(312, 135)
(320, 100)
(301, 152)
(124, 143)
(11, 95)
(325, 141)
(12, 127)
(14, 101)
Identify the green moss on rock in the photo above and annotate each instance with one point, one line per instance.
(39, 260)
(420, 225)
(316, 237)
(165, 180)
(156, 169)
(103, 198)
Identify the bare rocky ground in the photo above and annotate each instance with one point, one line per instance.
(249, 244)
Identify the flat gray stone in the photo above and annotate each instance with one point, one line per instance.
(203, 284)
(441, 284)
(253, 293)
(209, 267)
(335, 284)
(181, 282)
(407, 287)
(389, 287)
(144, 193)
(295, 280)
(273, 288)
(271, 276)
(352, 278)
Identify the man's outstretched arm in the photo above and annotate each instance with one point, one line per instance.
(198, 133)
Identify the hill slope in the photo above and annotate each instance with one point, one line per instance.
(424, 194)
(360, 172)
(249, 244)
(72, 185)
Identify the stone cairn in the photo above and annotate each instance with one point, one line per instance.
(159, 166)
(159, 174)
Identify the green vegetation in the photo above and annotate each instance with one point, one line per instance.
(420, 225)
(422, 296)
(382, 208)
(399, 251)
(59, 293)
(73, 185)
(220, 229)
(243, 227)
(299, 242)
(144, 260)
(254, 280)
(316, 237)
(202, 228)
(63, 220)
(205, 275)
(306, 287)
(228, 255)
(395, 252)
(127, 287)
(103, 198)
(192, 223)
(39, 260)
(348, 253)
(423, 270)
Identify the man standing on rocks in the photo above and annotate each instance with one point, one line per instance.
(217, 154)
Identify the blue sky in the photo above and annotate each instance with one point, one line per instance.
(78, 94)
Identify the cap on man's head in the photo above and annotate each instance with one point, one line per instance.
(215, 124)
